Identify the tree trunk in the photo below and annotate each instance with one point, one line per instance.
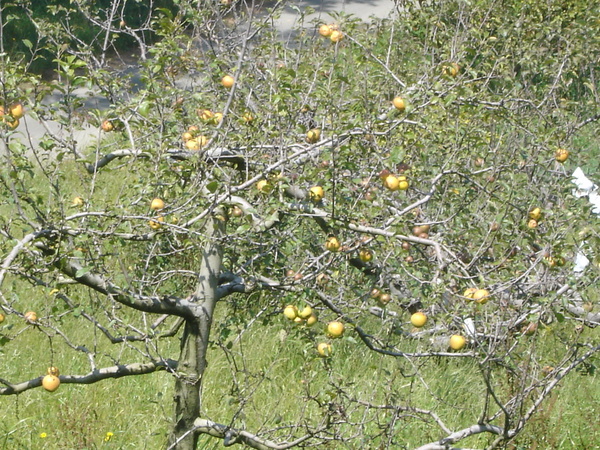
(194, 343)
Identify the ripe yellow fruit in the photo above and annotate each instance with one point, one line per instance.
(324, 349)
(298, 320)
(532, 223)
(78, 202)
(53, 371)
(312, 320)
(155, 224)
(218, 117)
(157, 204)
(452, 70)
(391, 182)
(403, 185)
(205, 115)
(248, 117)
(30, 316)
(50, 383)
(313, 135)
(325, 30)
(187, 136)
(1, 317)
(399, 103)
(481, 296)
(384, 299)
(316, 193)
(561, 155)
(107, 126)
(332, 244)
(305, 312)
(16, 110)
(227, 81)
(336, 36)
(264, 186)
(457, 342)
(291, 312)
(535, 214)
(196, 143)
(470, 292)
(365, 255)
(335, 329)
(418, 319)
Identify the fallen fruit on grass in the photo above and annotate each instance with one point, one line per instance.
(316, 193)
(335, 329)
(561, 155)
(418, 319)
(457, 342)
(399, 103)
(324, 349)
(157, 204)
(291, 312)
(332, 244)
(50, 383)
(30, 316)
(384, 299)
(532, 223)
(227, 81)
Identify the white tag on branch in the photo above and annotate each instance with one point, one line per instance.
(585, 187)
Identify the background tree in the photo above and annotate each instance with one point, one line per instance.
(359, 175)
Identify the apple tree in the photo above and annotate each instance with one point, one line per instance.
(397, 190)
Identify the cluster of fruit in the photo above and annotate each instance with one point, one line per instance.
(393, 182)
(306, 316)
(157, 204)
(332, 31)
(534, 217)
(480, 296)
(193, 140)
(11, 115)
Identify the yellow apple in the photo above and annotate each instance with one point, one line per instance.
(157, 204)
(305, 312)
(561, 155)
(535, 214)
(107, 126)
(290, 312)
(324, 349)
(418, 319)
(391, 182)
(335, 329)
(325, 30)
(332, 244)
(78, 202)
(313, 135)
(53, 371)
(399, 103)
(30, 316)
(457, 342)
(51, 383)
(227, 81)
(264, 186)
(365, 255)
(312, 320)
(16, 110)
(316, 193)
(481, 296)
(155, 224)
(336, 36)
